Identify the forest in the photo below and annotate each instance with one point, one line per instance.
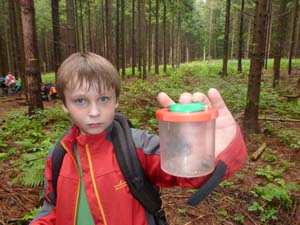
(248, 49)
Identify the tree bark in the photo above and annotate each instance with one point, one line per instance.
(123, 38)
(293, 29)
(212, 5)
(133, 39)
(33, 73)
(109, 35)
(82, 39)
(240, 54)
(71, 37)
(156, 58)
(56, 34)
(117, 27)
(256, 65)
(149, 36)
(248, 43)
(279, 41)
(13, 38)
(143, 47)
(269, 32)
(226, 38)
(165, 36)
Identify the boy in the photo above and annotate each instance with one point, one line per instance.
(91, 188)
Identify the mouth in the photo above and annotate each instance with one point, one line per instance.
(94, 125)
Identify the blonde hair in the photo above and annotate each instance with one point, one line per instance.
(90, 68)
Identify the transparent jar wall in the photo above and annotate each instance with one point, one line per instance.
(187, 149)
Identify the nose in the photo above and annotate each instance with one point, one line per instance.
(94, 110)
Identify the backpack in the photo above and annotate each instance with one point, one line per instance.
(140, 186)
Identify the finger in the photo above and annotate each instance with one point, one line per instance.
(216, 99)
(200, 97)
(185, 98)
(164, 99)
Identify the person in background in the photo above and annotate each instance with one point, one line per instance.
(3, 86)
(10, 82)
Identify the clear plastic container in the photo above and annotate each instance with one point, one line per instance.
(187, 139)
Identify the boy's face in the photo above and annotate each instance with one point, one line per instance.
(90, 110)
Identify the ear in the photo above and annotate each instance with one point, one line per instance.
(65, 108)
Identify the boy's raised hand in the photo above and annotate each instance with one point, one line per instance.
(225, 123)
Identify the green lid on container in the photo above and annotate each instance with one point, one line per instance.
(187, 108)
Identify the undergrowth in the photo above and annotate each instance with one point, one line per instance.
(25, 141)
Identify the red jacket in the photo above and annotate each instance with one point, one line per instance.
(108, 195)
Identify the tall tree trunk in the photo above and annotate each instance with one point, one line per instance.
(248, 43)
(139, 34)
(143, 46)
(256, 65)
(33, 73)
(212, 5)
(117, 27)
(269, 32)
(156, 37)
(20, 48)
(13, 37)
(71, 37)
(279, 41)
(133, 39)
(178, 41)
(56, 34)
(109, 35)
(82, 39)
(123, 39)
(172, 39)
(293, 29)
(240, 53)
(89, 33)
(165, 36)
(149, 36)
(226, 38)
(104, 28)
(76, 26)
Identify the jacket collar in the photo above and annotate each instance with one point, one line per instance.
(73, 136)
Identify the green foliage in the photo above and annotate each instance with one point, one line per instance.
(30, 216)
(266, 214)
(272, 192)
(290, 137)
(269, 172)
(223, 213)
(239, 218)
(269, 155)
(181, 211)
(226, 183)
(34, 136)
(48, 77)
(271, 197)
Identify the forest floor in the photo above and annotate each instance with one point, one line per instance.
(228, 204)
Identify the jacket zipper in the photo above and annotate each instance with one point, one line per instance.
(78, 186)
(94, 184)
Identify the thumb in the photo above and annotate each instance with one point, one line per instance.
(216, 99)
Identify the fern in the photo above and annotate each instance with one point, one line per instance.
(32, 169)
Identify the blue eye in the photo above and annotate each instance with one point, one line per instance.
(104, 99)
(80, 101)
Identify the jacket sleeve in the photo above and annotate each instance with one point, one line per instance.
(47, 215)
(147, 145)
